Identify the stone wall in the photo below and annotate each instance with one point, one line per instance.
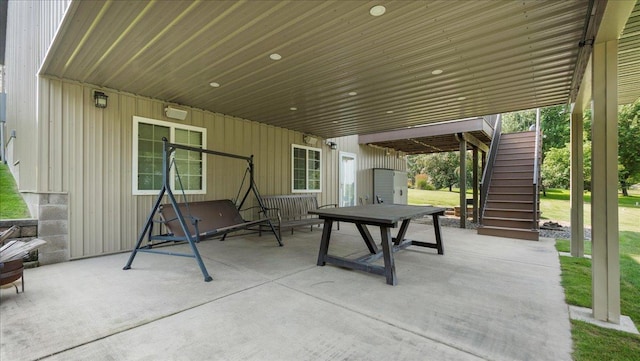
(27, 230)
(51, 226)
(53, 217)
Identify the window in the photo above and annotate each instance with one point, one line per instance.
(306, 169)
(147, 157)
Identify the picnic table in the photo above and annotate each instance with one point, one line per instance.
(385, 216)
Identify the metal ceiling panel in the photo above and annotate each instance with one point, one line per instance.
(629, 59)
(495, 56)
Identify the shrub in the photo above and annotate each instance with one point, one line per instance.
(421, 181)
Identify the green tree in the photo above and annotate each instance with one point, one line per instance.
(556, 168)
(629, 145)
(413, 165)
(554, 122)
(555, 125)
(556, 171)
(518, 121)
(441, 169)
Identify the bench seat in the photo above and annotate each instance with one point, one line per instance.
(291, 211)
(204, 219)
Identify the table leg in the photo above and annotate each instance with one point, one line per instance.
(402, 232)
(389, 265)
(324, 243)
(368, 240)
(436, 228)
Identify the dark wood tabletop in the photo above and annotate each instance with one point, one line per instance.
(377, 214)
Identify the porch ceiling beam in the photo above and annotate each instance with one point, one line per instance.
(475, 142)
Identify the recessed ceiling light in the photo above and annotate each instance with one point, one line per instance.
(353, 93)
(275, 56)
(214, 84)
(462, 98)
(437, 72)
(293, 108)
(377, 10)
(389, 111)
(335, 122)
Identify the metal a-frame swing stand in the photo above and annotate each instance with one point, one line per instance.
(147, 230)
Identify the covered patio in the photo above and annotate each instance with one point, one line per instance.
(486, 298)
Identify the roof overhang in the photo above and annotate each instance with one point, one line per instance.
(342, 71)
(434, 138)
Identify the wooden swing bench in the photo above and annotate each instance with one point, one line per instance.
(204, 219)
(192, 221)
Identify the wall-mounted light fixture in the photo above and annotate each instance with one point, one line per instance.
(175, 113)
(100, 99)
(332, 145)
(309, 139)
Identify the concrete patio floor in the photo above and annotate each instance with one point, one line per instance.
(487, 298)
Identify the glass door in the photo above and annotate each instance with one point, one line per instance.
(347, 174)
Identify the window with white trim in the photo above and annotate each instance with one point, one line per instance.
(189, 168)
(306, 169)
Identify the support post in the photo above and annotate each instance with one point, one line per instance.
(463, 181)
(577, 183)
(475, 185)
(604, 178)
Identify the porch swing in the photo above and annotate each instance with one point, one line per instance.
(193, 221)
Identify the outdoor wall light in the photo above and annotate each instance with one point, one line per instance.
(309, 139)
(332, 145)
(100, 99)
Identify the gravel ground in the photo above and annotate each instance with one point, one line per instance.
(559, 232)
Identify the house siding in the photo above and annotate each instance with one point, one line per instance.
(90, 158)
(77, 157)
(31, 27)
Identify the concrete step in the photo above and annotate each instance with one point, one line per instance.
(506, 232)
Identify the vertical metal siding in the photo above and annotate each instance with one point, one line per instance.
(91, 158)
(31, 25)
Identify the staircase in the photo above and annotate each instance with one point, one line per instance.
(509, 209)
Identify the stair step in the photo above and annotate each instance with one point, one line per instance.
(525, 166)
(510, 196)
(508, 222)
(517, 143)
(513, 162)
(511, 189)
(525, 134)
(512, 175)
(508, 213)
(512, 182)
(507, 204)
(507, 232)
(509, 155)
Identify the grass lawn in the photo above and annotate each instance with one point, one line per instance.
(555, 206)
(11, 204)
(590, 342)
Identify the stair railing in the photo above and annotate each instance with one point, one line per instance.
(488, 169)
(536, 172)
